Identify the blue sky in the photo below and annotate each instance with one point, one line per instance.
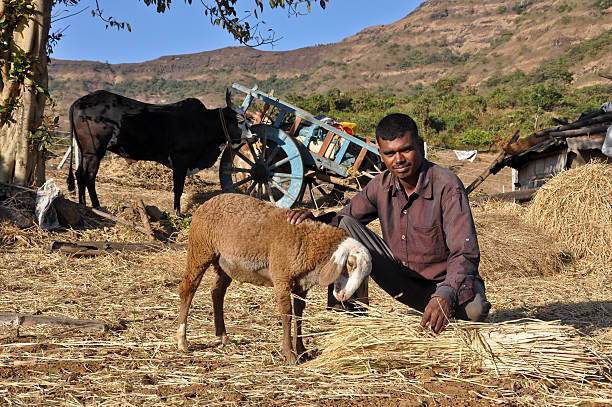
(184, 29)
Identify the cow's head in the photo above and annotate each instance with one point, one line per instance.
(236, 121)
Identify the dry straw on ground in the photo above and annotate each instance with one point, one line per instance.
(575, 208)
(383, 341)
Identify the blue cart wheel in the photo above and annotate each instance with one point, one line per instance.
(268, 167)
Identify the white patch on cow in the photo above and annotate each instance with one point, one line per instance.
(193, 171)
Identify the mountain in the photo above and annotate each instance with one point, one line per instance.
(473, 41)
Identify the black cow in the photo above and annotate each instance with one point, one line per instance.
(184, 136)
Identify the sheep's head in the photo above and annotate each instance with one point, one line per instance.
(348, 267)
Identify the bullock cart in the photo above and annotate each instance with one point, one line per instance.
(291, 149)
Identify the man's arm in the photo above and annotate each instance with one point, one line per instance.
(361, 207)
(463, 259)
(462, 243)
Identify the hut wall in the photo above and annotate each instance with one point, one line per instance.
(537, 171)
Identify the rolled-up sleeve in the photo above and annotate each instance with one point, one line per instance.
(363, 206)
(462, 243)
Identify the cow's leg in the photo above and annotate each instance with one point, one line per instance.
(80, 184)
(91, 163)
(219, 287)
(178, 178)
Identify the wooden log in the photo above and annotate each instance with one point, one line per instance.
(15, 217)
(155, 214)
(11, 318)
(600, 118)
(145, 219)
(579, 132)
(523, 195)
(68, 212)
(511, 139)
(120, 220)
(95, 248)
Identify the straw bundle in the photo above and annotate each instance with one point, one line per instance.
(509, 246)
(384, 341)
(574, 207)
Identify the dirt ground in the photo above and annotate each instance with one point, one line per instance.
(136, 362)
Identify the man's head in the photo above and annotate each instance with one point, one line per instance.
(400, 147)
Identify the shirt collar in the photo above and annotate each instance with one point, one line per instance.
(424, 185)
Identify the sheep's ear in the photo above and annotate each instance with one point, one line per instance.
(330, 272)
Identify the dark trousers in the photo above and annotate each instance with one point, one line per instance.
(405, 285)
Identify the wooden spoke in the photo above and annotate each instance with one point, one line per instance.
(244, 181)
(239, 154)
(273, 154)
(284, 191)
(269, 192)
(251, 188)
(284, 161)
(285, 175)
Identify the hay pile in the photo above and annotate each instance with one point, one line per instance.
(575, 208)
(387, 341)
(510, 246)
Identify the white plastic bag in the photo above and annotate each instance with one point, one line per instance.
(45, 212)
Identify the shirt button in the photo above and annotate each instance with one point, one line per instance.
(403, 237)
(405, 264)
(404, 211)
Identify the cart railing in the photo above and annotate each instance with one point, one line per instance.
(317, 159)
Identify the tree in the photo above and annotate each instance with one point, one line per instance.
(24, 32)
(24, 47)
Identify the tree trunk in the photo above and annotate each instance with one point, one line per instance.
(20, 162)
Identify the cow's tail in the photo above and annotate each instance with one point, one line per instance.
(70, 179)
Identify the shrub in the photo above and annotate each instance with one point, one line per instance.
(475, 138)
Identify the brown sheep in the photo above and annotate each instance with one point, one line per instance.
(248, 240)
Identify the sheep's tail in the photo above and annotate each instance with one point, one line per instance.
(70, 179)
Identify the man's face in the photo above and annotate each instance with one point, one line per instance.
(402, 156)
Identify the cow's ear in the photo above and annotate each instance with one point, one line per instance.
(228, 97)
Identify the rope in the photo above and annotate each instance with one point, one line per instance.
(227, 136)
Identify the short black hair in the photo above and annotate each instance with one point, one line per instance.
(396, 125)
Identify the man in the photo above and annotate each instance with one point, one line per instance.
(428, 256)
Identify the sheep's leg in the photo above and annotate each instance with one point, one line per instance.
(283, 297)
(298, 308)
(219, 287)
(197, 263)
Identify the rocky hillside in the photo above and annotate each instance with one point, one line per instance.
(472, 41)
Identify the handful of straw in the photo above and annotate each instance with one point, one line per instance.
(380, 342)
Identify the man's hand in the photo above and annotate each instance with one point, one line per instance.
(436, 314)
(299, 216)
